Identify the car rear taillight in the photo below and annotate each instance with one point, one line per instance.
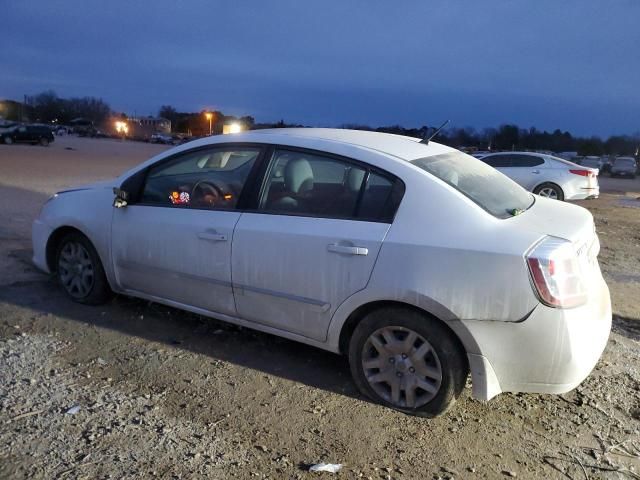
(556, 274)
(584, 173)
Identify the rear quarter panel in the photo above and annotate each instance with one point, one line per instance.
(446, 255)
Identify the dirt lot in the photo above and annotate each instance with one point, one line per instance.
(166, 394)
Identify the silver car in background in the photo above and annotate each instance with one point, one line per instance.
(624, 167)
(546, 175)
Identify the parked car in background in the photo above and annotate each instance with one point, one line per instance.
(591, 162)
(546, 175)
(344, 240)
(162, 138)
(624, 167)
(8, 126)
(28, 134)
(480, 154)
(605, 164)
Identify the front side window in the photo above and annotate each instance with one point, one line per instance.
(490, 189)
(210, 178)
(309, 184)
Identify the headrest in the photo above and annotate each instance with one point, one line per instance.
(298, 175)
(354, 179)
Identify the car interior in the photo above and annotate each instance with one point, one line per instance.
(297, 183)
(313, 185)
(205, 179)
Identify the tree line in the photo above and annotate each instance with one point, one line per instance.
(47, 107)
(512, 137)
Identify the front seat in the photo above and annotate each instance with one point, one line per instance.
(298, 182)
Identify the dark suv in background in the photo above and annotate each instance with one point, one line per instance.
(28, 134)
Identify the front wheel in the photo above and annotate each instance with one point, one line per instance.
(407, 361)
(44, 142)
(80, 270)
(8, 140)
(549, 190)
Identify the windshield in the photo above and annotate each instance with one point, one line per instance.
(591, 163)
(490, 189)
(625, 162)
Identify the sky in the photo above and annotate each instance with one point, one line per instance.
(572, 64)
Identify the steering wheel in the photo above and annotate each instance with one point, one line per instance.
(206, 194)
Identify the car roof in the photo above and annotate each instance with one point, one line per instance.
(384, 150)
(402, 147)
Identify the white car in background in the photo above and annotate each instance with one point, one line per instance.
(546, 175)
(417, 261)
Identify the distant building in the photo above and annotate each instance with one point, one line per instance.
(139, 127)
(15, 111)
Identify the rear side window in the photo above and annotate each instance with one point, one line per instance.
(512, 160)
(490, 189)
(498, 161)
(378, 201)
(311, 184)
(519, 160)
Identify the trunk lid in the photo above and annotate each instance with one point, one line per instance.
(558, 219)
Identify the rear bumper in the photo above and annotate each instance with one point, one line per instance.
(552, 351)
(583, 193)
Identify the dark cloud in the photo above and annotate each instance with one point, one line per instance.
(571, 65)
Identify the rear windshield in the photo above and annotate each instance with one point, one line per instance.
(493, 191)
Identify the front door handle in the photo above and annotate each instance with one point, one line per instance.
(535, 171)
(213, 237)
(346, 249)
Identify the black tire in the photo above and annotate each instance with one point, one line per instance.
(8, 140)
(44, 142)
(98, 290)
(449, 355)
(550, 186)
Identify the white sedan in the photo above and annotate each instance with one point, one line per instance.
(419, 262)
(546, 175)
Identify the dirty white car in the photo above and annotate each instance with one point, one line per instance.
(546, 175)
(419, 262)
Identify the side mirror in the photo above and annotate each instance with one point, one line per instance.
(121, 199)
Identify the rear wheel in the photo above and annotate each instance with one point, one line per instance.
(407, 361)
(44, 142)
(549, 190)
(80, 270)
(8, 140)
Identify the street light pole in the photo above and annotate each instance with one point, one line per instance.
(209, 116)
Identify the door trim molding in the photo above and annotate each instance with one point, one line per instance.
(319, 304)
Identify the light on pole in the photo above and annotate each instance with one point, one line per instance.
(209, 116)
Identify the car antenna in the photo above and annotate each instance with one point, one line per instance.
(426, 140)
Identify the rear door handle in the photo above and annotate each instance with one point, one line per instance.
(213, 237)
(535, 171)
(346, 249)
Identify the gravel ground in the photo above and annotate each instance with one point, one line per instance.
(137, 390)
